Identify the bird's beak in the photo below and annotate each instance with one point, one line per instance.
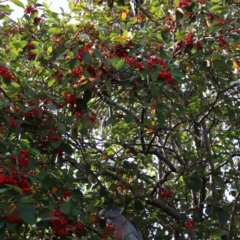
(109, 221)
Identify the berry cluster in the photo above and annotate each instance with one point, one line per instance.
(5, 73)
(76, 71)
(69, 98)
(31, 55)
(188, 40)
(17, 179)
(165, 193)
(82, 52)
(13, 217)
(12, 122)
(189, 224)
(222, 42)
(30, 9)
(22, 160)
(184, 3)
(198, 46)
(63, 226)
(37, 19)
(166, 75)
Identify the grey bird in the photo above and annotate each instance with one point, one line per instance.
(123, 229)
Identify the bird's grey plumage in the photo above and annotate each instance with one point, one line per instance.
(123, 229)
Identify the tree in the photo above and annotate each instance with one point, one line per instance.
(101, 108)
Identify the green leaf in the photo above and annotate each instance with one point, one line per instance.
(11, 226)
(138, 205)
(2, 223)
(18, 3)
(98, 54)
(28, 217)
(209, 210)
(45, 4)
(55, 144)
(51, 106)
(87, 96)
(120, 64)
(102, 191)
(221, 233)
(193, 183)
(2, 190)
(223, 215)
(15, 188)
(65, 208)
(127, 165)
(87, 59)
(71, 5)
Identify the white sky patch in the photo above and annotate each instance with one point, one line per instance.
(54, 6)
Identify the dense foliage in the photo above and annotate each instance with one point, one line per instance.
(102, 108)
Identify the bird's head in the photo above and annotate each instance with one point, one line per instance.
(115, 218)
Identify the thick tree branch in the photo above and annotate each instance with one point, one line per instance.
(164, 159)
(173, 213)
(233, 215)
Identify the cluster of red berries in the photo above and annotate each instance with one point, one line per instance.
(32, 113)
(78, 115)
(121, 51)
(63, 226)
(30, 45)
(165, 193)
(166, 75)
(30, 9)
(4, 72)
(69, 98)
(17, 179)
(12, 122)
(189, 224)
(109, 227)
(82, 52)
(188, 40)
(13, 217)
(22, 160)
(4, 178)
(76, 71)
(103, 235)
(37, 19)
(221, 22)
(198, 46)
(58, 75)
(31, 55)
(184, 3)
(67, 194)
(211, 16)
(222, 41)
(134, 63)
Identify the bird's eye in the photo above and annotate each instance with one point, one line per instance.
(113, 218)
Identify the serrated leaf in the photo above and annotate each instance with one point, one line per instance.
(18, 3)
